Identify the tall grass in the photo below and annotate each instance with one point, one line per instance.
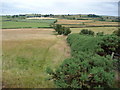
(24, 62)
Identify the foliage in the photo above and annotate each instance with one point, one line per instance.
(86, 68)
(109, 44)
(86, 31)
(62, 30)
(84, 72)
(117, 32)
(66, 30)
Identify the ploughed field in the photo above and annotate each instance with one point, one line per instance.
(26, 55)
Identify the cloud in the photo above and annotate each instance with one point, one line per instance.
(104, 7)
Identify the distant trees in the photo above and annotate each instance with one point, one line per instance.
(86, 31)
(93, 15)
(62, 30)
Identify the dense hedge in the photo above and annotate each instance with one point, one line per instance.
(87, 68)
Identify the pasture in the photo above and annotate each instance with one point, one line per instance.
(27, 23)
(26, 55)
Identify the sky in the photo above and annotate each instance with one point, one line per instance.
(99, 7)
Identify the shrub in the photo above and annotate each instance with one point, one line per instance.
(84, 72)
(55, 21)
(86, 31)
(86, 68)
(66, 31)
(61, 30)
(109, 44)
(117, 32)
(57, 27)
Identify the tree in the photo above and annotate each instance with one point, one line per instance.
(66, 31)
(61, 30)
(57, 27)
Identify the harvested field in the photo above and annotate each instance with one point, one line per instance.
(86, 23)
(106, 30)
(101, 23)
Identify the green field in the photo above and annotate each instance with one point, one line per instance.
(24, 23)
(106, 30)
(26, 57)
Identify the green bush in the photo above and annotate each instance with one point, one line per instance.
(117, 32)
(86, 68)
(109, 44)
(84, 72)
(57, 27)
(66, 31)
(86, 31)
(62, 30)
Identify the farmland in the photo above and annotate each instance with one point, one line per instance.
(31, 44)
(86, 23)
(106, 30)
(27, 53)
(26, 23)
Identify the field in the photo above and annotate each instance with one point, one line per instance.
(26, 55)
(41, 18)
(26, 23)
(106, 30)
(30, 45)
(86, 23)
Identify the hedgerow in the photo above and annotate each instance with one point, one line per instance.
(87, 68)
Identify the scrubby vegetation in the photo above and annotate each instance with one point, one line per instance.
(92, 63)
(86, 31)
(62, 30)
(117, 32)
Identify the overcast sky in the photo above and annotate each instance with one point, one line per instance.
(100, 7)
